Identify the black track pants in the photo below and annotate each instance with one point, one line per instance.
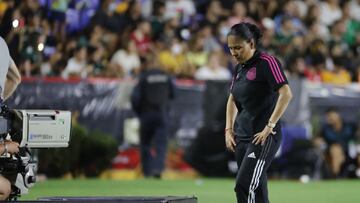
(253, 162)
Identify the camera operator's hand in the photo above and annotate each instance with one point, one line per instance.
(12, 147)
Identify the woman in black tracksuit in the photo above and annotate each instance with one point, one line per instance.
(259, 95)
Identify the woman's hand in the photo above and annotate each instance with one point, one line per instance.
(229, 140)
(261, 136)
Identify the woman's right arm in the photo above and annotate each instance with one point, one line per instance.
(231, 111)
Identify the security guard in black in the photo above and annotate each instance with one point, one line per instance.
(153, 92)
(151, 100)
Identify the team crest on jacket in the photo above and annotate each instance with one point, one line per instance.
(251, 74)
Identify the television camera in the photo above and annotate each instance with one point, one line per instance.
(32, 129)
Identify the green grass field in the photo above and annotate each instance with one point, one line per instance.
(206, 190)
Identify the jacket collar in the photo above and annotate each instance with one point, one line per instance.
(252, 59)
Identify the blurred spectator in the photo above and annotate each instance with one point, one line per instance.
(157, 18)
(239, 14)
(296, 66)
(173, 59)
(169, 32)
(335, 137)
(27, 67)
(268, 40)
(213, 70)
(7, 19)
(108, 18)
(79, 14)
(285, 34)
(132, 16)
(141, 37)
(356, 47)
(97, 60)
(213, 14)
(32, 39)
(48, 67)
(147, 7)
(352, 26)
(48, 39)
(58, 68)
(221, 32)
(184, 9)
(97, 35)
(355, 9)
(122, 6)
(313, 72)
(302, 7)
(58, 16)
(338, 30)
(315, 29)
(210, 42)
(339, 75)
(330, 11)
(197, 56)
(266, 9)
(102, 37)
(297, 45)
(3, 7)
(29, 8)
(77, 66)
(290, 13)
(126, 61)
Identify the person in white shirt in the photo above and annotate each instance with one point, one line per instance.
(77, 65)
(184, 8)
(126, 61)
(213, 70)
(355, 9)
(330, 12)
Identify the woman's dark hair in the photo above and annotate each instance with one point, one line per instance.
(246, 31)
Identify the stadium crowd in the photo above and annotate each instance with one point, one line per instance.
(316, 39)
